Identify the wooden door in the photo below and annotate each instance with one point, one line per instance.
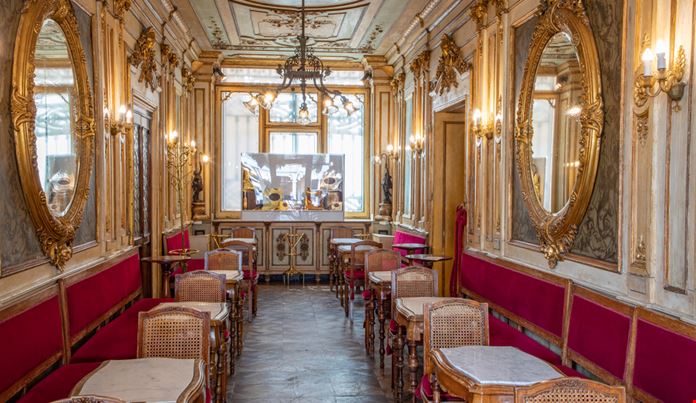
(142, 233)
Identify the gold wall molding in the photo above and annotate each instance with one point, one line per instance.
(55, 234)
(556, 231)
(143, 57)
(450, 64)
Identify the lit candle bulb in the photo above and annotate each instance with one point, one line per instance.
(129, 116)
(647, 58)
(661, 52)
(477, 116)
(205, 158)
(106, 113)
(193, 143)
(173, 136)
(121, 111)
(390, 148)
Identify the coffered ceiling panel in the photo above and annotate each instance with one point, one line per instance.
(341, 29)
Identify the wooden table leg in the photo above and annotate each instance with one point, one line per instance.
(381, 316)
(166, 272)
(369, 320)
(240, 321)
(220, 378)
(413, 367)
(373, 301)
(399, 351)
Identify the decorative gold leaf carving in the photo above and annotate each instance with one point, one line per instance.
(187, 79)
(120, 8)
(451, 62)
(143, 56)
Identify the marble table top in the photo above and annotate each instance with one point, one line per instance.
(231, 276)
(410, 245)
(245, 240)
(380, 277)
(345, 241)
(489, 365)
(424, 257)
(144, 380)
(412, 307)
(218, 310)
(359, 248)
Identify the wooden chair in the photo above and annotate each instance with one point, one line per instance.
(354, 272)
(223, 259)
(251, 275)
(336, 232)
(448, 324)
(175, 332)
(200, 286)
(377, 260)
(243, 232)
(570, 390)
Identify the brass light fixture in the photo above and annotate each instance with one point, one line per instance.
(486, 130)
(668, 79)
(122, 123)
(303, 68)
(417, 144)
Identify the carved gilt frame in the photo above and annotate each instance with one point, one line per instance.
(557, 231)
(55, 233)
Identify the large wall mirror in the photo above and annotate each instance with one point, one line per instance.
(559, 125)
(53, 123)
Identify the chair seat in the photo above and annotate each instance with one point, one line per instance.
(367, 294)
(354, 275)
(58, 384)
(426, 389)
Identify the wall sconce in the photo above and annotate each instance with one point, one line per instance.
(483, 130)
(668, 80)
(123, 122)
(417, 144)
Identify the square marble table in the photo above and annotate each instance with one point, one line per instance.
(146, 380)
(408, 314)
(488, 373)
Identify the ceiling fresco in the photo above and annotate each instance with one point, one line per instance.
(341, 29)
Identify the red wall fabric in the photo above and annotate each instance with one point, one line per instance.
(538, 301)
(405, 237)
(665, 363)
(173, 241)
(28, 340)
(94, 296)
(599, 334)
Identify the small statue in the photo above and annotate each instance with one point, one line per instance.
(197, 185)
(387, 187)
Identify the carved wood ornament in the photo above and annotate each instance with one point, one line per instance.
(450, 64)
(143, 56)
(55, 232)
(556, 231)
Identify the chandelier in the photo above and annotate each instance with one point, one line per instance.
(303, 68)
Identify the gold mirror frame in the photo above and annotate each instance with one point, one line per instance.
(55, 233)
(557, 231)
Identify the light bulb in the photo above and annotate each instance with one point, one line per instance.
(268, 97)
(661, 52)
(106, 113)
(173, 136)
(349, 107)
(647, 59)
(129, 116)
(499, 117)
(121, 111)
(390, 148)
(303, 115)
(253, 101)
(477, 116)
(193, 143)
(205, 158)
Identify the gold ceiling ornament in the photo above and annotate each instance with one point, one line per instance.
(143, 56)
(451, 62)
(55, 232)
(187, 78)
(478, 13)
(397, 83)
(420, 66)
(120, 8)
(556, 231)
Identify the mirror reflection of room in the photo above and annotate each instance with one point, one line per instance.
(555, 145)
(54, 96)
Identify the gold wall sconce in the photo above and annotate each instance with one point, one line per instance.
(122, 123)
(669, 79)
(486, 130)
(417, 144)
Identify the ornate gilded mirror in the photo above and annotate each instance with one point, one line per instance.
(53, 123)
(559, 125)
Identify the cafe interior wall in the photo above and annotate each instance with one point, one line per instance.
(636, 242)
(108, 35)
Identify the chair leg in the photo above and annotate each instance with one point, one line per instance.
(255, 305)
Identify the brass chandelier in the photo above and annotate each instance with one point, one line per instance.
(305, 69)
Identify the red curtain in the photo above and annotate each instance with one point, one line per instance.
(460, 227)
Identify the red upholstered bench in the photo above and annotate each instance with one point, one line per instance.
(665, 359)
(598, 334)
(58, 384)
(32, 340)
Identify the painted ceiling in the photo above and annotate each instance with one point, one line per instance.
(341, 29)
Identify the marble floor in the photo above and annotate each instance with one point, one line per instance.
(301, 348)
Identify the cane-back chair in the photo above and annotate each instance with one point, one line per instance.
(251, 275)
(175, 332)
(223, 259)
(570, 390)
(336, 233)
(200, 286)
(243, 232)
(447, 324)
(354, 272)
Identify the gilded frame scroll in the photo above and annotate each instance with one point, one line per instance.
(55, 233)
(557, 231)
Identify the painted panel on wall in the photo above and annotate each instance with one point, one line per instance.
(598, 233)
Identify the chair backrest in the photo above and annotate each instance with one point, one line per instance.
(383, 260)
(358, 250)
(243, 232)
(341, 232)
(223, 259)
(570, 390)
(245, 248)
(413, 281)
(174, 332)
(453, 323)
(200, 286)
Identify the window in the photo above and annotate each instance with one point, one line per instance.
(408, 157)
(346, 135)
(240, 133)
(293, 142)
(287, 104)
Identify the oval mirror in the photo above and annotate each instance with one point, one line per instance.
(54, 97)
(53, 123)
(555, 142)
(559, 125)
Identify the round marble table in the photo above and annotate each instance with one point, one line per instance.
(167, 263)
(411, 247)
(426, 259)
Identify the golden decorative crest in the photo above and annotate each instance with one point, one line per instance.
(478, 13)
(55, 232)
(187, 79)
(143, 56)
(120, 8)
(420, 65)
(451, 62)
(556, 231)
